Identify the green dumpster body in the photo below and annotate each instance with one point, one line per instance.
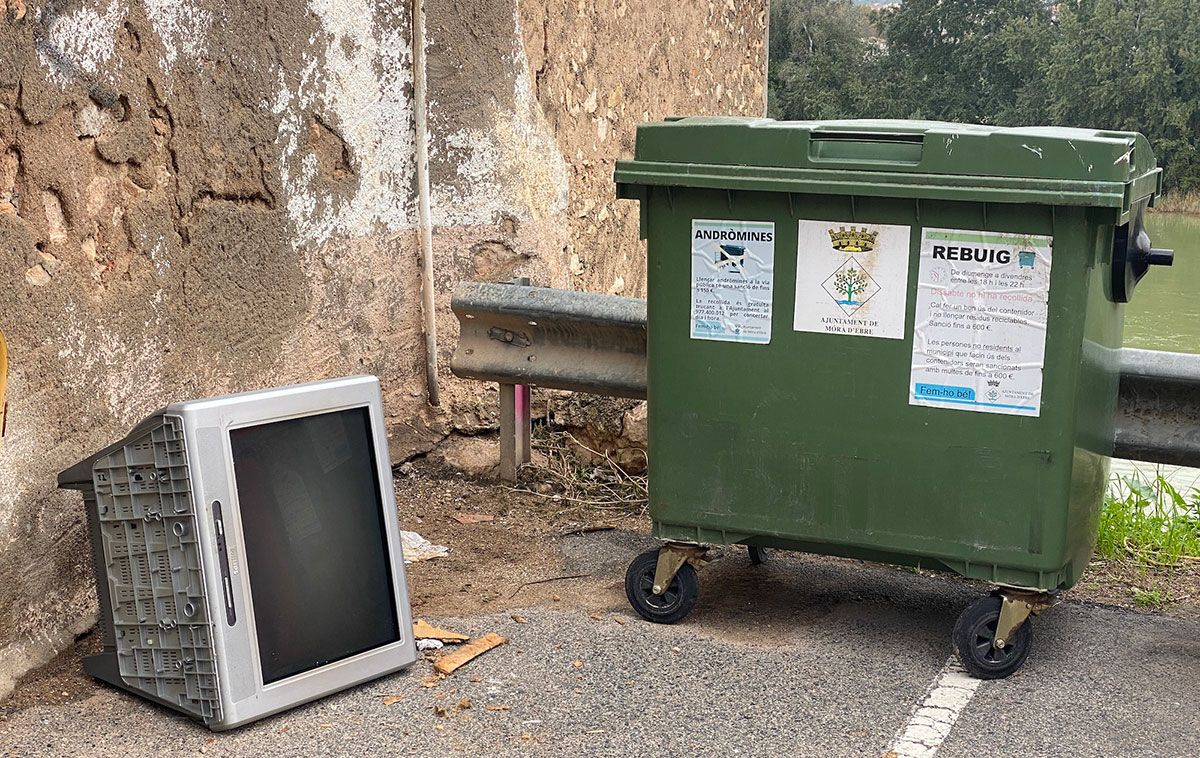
(821, 436)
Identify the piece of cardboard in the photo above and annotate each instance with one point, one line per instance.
(449, 663)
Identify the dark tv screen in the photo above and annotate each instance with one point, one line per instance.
(316, 545)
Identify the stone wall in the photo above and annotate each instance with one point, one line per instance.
(200, 197)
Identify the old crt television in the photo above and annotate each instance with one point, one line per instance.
(247, 551)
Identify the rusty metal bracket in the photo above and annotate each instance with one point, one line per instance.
(671, 558)
(520, 339)
(1015, 607)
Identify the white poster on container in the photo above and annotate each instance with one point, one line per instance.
(979, 343)
(851, 279)
(733, 273)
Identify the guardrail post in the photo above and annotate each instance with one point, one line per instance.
(515, 421)
(515, 427)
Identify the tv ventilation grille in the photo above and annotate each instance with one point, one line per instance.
(159, 613)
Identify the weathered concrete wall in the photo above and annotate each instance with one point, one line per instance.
(200, 197)
(600, 68)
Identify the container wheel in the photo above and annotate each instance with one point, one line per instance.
(758, 555)
(973, 636)
(673, 604)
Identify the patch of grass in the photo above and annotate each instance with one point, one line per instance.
(1150, 522)
(1149, 598)
(1178, 202)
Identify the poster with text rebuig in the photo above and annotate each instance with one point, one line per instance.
(979, 341)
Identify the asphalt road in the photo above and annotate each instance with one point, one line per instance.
(802, 656)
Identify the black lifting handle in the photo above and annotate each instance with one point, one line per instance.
(1133, 255)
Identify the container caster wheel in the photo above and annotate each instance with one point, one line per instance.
(675, 601)
(975, 641)
(758, 555)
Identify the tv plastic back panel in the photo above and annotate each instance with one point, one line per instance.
(147, 525)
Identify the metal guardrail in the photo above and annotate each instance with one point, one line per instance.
(1158, 411)
(516, 334)
(520, 335)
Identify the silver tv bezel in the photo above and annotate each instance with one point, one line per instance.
(207, 423)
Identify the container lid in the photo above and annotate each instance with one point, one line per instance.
(920, 159)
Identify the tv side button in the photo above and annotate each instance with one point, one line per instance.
(223, 556)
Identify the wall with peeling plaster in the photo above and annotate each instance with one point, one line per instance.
(201, 197)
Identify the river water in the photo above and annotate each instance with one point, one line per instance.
(1164, 314)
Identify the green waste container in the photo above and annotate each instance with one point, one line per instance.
(888, 340)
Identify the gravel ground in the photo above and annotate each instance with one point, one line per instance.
(803, 656)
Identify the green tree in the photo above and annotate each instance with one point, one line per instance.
(818, 52)
(1133, 65)
(851, 281)
(1108, 64)
(975, 61)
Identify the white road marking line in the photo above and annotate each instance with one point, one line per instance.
(934, 716)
